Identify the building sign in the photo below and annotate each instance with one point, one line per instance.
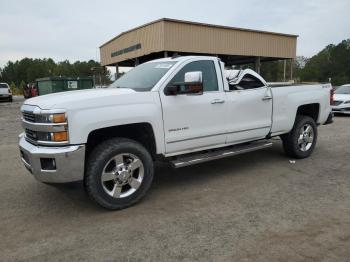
(72, 84)
(126, 50)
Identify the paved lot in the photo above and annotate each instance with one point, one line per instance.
(254, 207)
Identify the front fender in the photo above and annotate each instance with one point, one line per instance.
(83, 122)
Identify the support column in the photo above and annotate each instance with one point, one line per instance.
(284, 70)
(116, 71)
(137, 62)
(257, 64)
(291, 69)
(93, 76)
(165, 54)
(100, 77)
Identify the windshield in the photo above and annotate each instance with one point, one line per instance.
(143, 77)
(3, 85)
(343, 90)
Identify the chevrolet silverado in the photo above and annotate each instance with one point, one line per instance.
(183, 110)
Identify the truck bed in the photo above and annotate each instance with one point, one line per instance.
(288, 98)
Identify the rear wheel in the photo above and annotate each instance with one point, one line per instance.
(118, 173)
(301, 140)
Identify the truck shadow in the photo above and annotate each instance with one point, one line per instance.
(168, 178)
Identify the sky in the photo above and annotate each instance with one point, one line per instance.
(74, 30)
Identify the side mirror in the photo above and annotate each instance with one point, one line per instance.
(193, 78)
(193, 84)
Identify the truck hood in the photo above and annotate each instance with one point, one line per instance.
(70, 99)
(342, 97)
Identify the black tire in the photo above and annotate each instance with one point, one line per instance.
(96, 163)
(10, 99)
(290, 140)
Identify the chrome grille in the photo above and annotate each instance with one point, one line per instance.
(32, 135)
(36, 137)
(337, 103)
(29, 116)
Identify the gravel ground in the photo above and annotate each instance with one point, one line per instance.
(253, 207)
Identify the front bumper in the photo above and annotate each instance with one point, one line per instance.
(5, 96)
(69, 161)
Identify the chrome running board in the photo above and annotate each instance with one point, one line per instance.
(201, 157)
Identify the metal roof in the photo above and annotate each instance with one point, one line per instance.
(151, 40)
(197, 23)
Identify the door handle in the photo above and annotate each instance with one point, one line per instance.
(266, 98)
(218, 101)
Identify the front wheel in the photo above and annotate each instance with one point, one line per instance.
(301, 140)
(118, 174)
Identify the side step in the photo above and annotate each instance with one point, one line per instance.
(201, 157)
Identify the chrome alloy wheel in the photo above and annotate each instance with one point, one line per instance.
(122, 175)
(306, 137)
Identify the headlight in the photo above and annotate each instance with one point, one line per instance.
(47, 136)
(51, 118)
(45, 128)
(59, 118)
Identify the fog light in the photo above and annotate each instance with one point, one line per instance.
(48, 163)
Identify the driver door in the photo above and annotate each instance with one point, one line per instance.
(193, 122)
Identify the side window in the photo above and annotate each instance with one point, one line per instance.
(207, 67)
(247, 82)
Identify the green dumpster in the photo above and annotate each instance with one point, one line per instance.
(48, 85)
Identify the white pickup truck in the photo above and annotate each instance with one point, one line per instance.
(183, 110)
(5, 92)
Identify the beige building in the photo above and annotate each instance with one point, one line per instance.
(167, 37)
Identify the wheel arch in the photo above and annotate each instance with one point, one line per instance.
(140, 132)
(312, 110)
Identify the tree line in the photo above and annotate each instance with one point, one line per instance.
(27, 70)
(332, 63)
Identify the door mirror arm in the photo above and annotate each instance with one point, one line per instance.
(183, 89)
(171, 90)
